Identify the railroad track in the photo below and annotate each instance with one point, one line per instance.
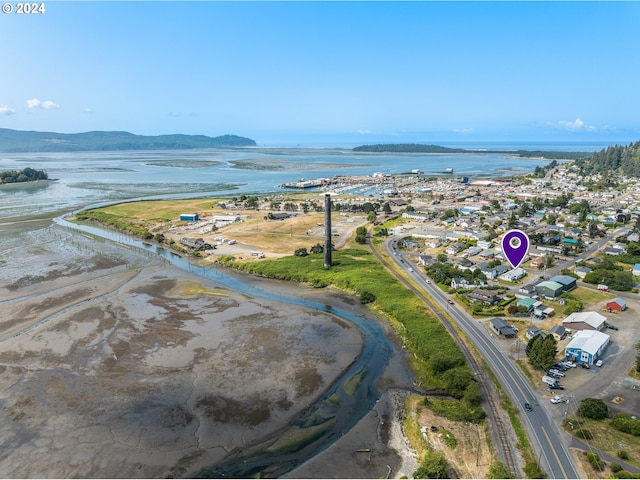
(504, 449)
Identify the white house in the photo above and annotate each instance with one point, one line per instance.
(513, 275)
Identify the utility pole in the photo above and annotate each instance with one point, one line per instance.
(327, 230)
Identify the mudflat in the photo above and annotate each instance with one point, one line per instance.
(115, 364)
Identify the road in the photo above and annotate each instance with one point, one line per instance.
(546, 436)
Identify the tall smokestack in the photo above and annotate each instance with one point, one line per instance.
(327, 230)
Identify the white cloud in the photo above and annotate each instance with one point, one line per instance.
(576, 125)
(463, 130)
(47, 104)
(364, 132)
(6, 111)
(87, 110)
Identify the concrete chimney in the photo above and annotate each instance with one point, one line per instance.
(327, 230)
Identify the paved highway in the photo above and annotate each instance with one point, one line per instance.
(552, 453)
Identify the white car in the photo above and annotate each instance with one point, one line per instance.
(599, 363)
(556, 399)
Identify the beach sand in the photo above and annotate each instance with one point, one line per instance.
(115, 364)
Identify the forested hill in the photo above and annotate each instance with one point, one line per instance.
(26, 141)
(622, 159)
(418, 148)
(407, 148)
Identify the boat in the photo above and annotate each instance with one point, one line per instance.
(448, 170)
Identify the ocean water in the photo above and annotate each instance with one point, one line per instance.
(87, 178)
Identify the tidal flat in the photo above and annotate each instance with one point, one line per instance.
(115, 364)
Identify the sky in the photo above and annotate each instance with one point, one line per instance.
(288, 73)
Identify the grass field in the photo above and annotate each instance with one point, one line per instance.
(607, 438)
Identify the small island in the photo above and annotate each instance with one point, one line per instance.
(25, 175)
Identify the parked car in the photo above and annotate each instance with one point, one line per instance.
(556, 399)
(561, 366)
(612, 327)
(556, 386)
(554, 371)
(570, 364)
(527, 406)
(585, 365)
(599, 363)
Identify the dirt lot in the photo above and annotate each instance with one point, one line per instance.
(273, 238)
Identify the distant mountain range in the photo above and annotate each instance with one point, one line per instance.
(13, 141)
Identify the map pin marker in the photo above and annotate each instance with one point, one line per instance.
(515, 245)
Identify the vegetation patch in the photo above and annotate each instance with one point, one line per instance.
(358, 272)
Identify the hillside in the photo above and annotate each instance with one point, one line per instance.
(407, 148)
(625, 160)
(12, 141)
(419, 148)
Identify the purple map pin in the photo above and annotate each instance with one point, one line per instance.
(515, 245)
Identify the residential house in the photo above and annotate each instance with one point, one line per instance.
(501, 269)
(484, 244)
(466, 264)
(513, 275)
(636, 270)
(526, 302)
(582, 271)
(425, 260)
(455, 248)
(558, 332)
(485, 296)
(527, 289)
(460, 282)
(534, 331)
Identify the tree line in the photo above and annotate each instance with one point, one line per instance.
(623, 159)
(25, 175)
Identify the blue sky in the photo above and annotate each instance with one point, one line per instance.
(305, 72)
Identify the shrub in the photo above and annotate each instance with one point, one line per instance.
(622, 454)
(301, 252)
(615, 467)
(367, 297)
(499, 470)
(584, 434)
(433, 465)
(593, 408)
(595, 461)
(626, 424)
(531, 470)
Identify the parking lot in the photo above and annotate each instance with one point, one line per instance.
(610, 382)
